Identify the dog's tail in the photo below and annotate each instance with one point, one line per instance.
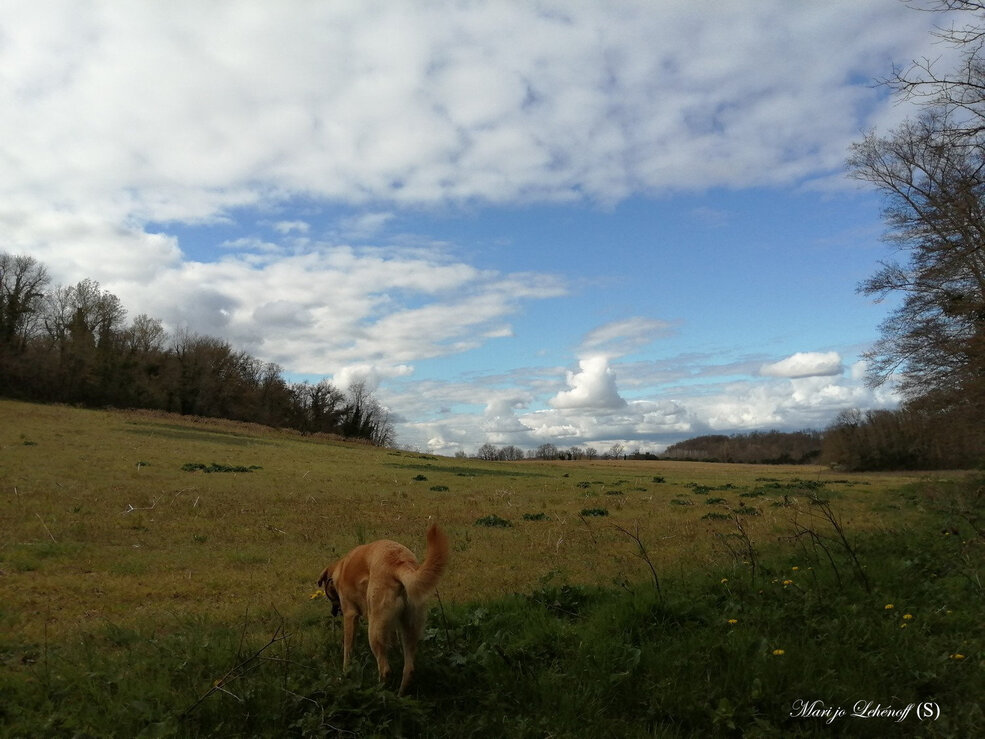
(421, 582)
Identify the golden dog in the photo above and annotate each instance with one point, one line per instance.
(383, 582)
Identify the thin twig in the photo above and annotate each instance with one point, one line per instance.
(643, 554)
(590, 532)
(444, 619)
(131, 507)
(237, 671)
(46, 528)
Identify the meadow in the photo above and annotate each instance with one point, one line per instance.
(157, 578)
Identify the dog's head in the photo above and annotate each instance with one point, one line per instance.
(330, 592)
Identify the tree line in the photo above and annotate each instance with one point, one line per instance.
(911, 437)
(757, 447)
(74, 344)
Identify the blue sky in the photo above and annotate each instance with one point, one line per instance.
(520, 222)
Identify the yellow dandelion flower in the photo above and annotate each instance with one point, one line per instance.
(317, 594)
(890, 606)
(902, 626)
(787, 582)
(907, 616)
(778, 652)
(957, 656)
(733, 621)
(794, 568)
(724, 580)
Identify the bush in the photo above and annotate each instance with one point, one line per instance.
(214, 467)
(493, 521)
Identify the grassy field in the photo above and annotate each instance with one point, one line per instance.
(174, 560)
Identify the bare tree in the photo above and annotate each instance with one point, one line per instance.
(487, 452)
(510, 454)
(931, 172)
(23, 282)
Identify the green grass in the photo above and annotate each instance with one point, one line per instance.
(137, 599)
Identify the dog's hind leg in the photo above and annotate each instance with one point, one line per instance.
(379, 631)
(411, 627)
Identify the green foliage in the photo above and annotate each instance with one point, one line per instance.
(594, 512)
(534, 516)
(215, 467)
(493, 521)
(715, 516)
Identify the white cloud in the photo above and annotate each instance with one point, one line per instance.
(286, 227)
(660, 414)
(622, 337)
(805, 364)
(369, 375)
(326, 308)
(364, 225)
(179, 111)
(592, 387)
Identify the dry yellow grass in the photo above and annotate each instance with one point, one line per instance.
(99, 522)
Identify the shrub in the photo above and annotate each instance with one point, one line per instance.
(493, 521)
(715, 516)
(594, 512)
(215, 467)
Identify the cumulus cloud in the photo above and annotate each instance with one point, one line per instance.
(592, 387)
(805, 364)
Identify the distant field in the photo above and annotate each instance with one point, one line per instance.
(151, 552)
(99, 519)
